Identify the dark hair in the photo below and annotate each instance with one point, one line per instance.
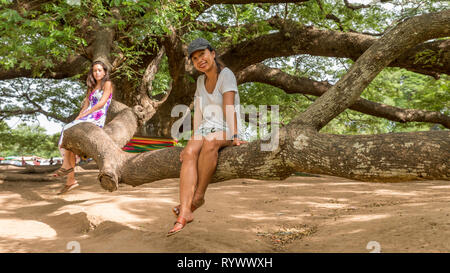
(218, 62)
(91, 82)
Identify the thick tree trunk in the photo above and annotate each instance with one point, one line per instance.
(383, 157)
(161, 123)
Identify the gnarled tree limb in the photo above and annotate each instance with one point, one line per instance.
(295, 39)
(348, 89)
(293, 85)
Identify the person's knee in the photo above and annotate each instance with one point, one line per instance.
(189, 154)
(210, 147)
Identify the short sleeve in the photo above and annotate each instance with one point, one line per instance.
(197, 90)
(198, 94)
(229, 82)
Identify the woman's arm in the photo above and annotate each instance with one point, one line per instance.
(107, 90)
(230, 112)
(198, 116)
(84, 107)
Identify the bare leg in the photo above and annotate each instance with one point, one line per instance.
(188, 179)
(70, 160)
(67, 160)
(68, 163)
(207, 163)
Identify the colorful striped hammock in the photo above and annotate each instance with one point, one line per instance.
(143, 144)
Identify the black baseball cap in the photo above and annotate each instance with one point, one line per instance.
(198, 44)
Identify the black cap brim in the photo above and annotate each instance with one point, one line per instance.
(197, 49)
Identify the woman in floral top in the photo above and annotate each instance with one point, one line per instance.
(95, 106)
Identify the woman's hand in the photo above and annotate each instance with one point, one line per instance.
(82, 114)
(238, 142)
(79, 116)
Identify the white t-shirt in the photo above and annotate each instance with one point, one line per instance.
(211, 105)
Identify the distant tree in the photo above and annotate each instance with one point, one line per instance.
(27, 98)
(27, 140)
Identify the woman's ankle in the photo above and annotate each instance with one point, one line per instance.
(66, 166)
(70, 182)
(198, 200)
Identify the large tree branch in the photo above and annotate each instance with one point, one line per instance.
(19, 92)
(99, 48)
(401, 38)
(150, 73)
(182, 86)
(6, 113)
(74, 65)
(386, 157)
(148, 105)
(294, 85)
(380, 157)
(294, 39)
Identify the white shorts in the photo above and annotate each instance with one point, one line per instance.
(204, 131)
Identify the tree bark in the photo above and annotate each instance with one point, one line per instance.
(161, 123)
(384, 157)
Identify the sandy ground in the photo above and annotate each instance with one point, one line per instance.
(299, 214)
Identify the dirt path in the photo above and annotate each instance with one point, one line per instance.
(300, 214)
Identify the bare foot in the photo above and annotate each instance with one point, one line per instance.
(180, 224)
(196, 203)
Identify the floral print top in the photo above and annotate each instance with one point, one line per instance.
(98, 117)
